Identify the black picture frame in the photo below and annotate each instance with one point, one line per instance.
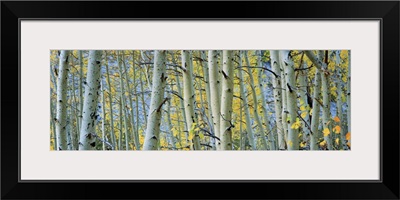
(386, 11)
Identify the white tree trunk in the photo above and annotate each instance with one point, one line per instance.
(207, 80)
(87, 139)
(156, 103)
(243, 94)
(285, 111)
(103, 110)
(214, 93)
(277, 90)
(114, 142)
(293, 139)
(326, 102)
(339, 102)
(189, 97)
(315, 111)
(61, 117)
(227, 97)
(302, 75)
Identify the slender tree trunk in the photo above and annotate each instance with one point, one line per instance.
(87, 137)
(120, 124)
(189, 97)
(214, 93)
(284, 103)
(61, 118)
(302, 75)
(157, 95)
(326, 103)
(136, 101)
(127, 139)
(103, 121)
(227, 97)
(182, 105)
(315, 111)
(80, 87)
(169, 121)
(339, 102)
(271, 137)
(243, 94)
(143, 100)
(255, 105)
(293, 140)
(134, 133)
(114, 142)
(277, 90)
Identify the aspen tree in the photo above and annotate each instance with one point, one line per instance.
(288, 65)
(152, 136)
(87, 139)
(61, 106)
(243, 94)
(227, 97)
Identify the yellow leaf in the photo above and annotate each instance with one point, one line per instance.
(201, 135)
(191, 134)
(296, 124)
(290, 143)
(300, 135)
(336, 119)
(337, 141)
(323, 143)
(336, 129)
(311, 112)
(302, 144)
(348, 136)
(326, 132)
(349, 144)
(304, 114)
(302, 108)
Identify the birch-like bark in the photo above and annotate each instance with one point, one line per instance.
(285, 111)
(87, 139)
(80, 87)
(339, 102)
(227, 97)
(206, 70)
(243, 94)
(189, 96)
(157, 95)
(137, 101)
(61, 117)
(302, 91)
(277, 90)
(270, 134)
(214, 93)
(315, 111)
(114, 142)
(325, 102)
(288, 65)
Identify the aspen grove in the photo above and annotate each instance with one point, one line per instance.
(211, 100)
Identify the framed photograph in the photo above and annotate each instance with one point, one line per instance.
(275, 100)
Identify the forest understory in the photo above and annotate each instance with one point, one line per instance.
(184, 100)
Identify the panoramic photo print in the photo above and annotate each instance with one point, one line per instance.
(208, 100)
